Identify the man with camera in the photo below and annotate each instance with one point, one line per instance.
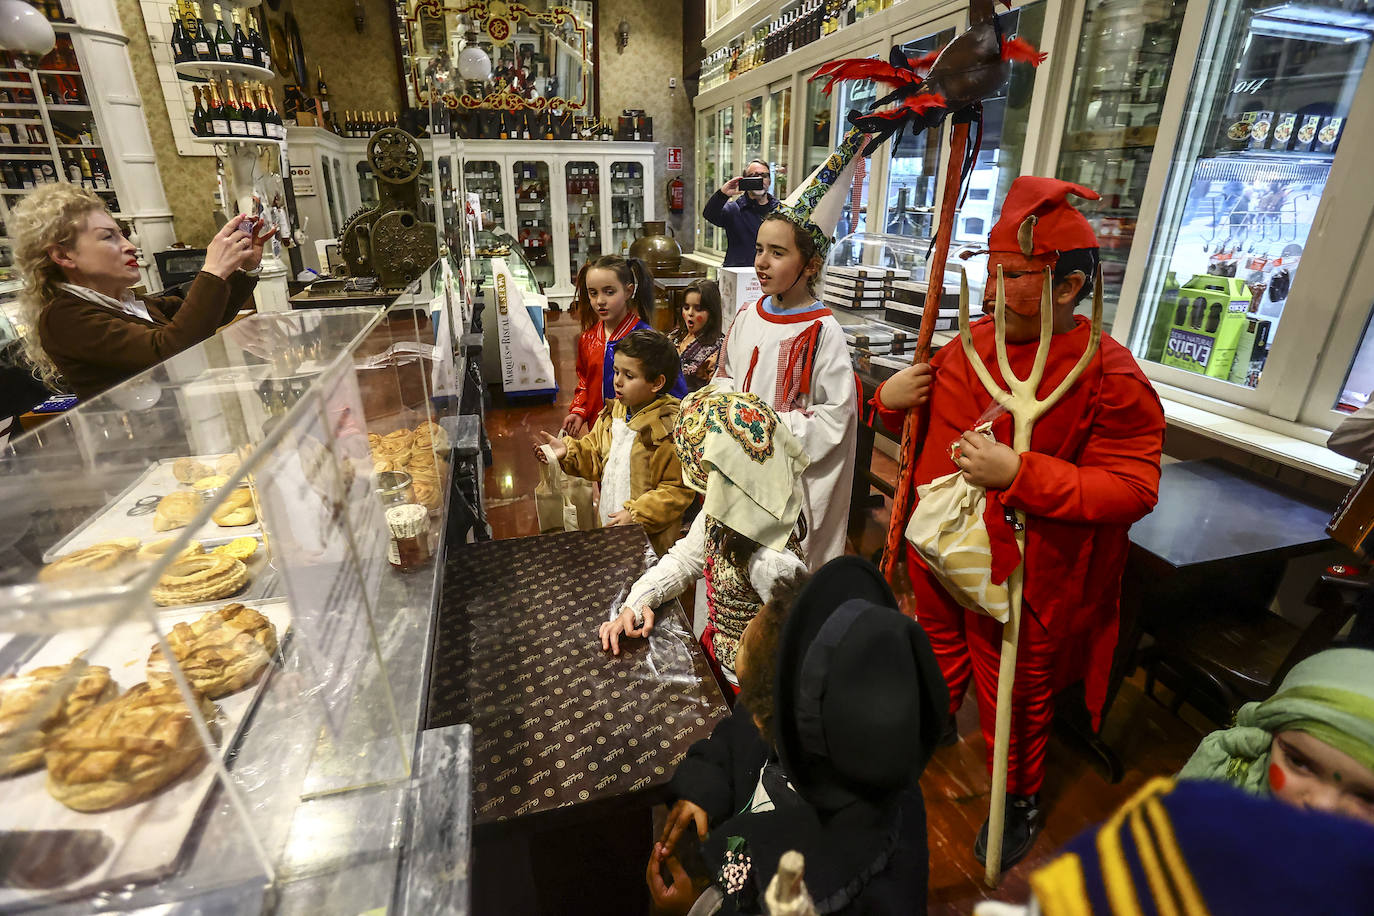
(741, 218)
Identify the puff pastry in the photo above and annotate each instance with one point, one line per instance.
(189, 470)
(126, 750)
(200, 578)
(158, 548)
(236, 510)
(175, 510)
(224, 651)
(19, 694)
(239, 548)
(213, 482)
(96, 558)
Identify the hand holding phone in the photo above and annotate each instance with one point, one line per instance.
(752, 183)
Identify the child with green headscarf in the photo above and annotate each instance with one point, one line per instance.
(1311, 744)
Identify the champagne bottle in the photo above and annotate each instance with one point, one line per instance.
(219, 118)
(256, 49)
(347, 124)
(224, 44)
(204, 47)
(277, 124)
(180, 45)
(251, 120)
(322, 90)
(199, 116)
(87, 175)
(242, 52)
(233, 113)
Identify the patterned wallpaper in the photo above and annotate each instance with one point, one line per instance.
(638, 78)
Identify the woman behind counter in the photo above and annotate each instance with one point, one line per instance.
(88, 331)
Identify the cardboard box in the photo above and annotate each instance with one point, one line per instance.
(1206, 324)
(739, 288)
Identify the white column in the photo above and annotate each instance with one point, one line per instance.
(118, 107)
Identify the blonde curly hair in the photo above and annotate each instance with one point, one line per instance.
(52, 214)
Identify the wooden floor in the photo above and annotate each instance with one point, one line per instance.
(1149, 740)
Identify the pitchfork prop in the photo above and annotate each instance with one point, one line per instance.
(1021, 401)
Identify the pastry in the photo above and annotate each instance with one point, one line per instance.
(126, 750)
(223, 651)
(236, 510)
(96, 558)
(189, 470)
(158, 548)
(200, 578)
(427, 494)
(380, 466)
(175, 510)
(429, 434)
(20, 694)
(213, 482)
(228, 465)
(239, 548)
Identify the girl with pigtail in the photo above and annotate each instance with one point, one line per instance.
(620, 292)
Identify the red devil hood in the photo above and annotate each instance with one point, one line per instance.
(1057, 226)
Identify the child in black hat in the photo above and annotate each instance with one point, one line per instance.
(841, 705)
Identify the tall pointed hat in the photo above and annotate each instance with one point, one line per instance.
(816, 204)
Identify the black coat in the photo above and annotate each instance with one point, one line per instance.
(865, 860)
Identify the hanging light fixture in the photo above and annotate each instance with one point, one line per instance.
(473, 62)
(24, 30)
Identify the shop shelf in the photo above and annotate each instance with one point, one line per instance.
(225, 141)
(206, 68)
(78, 146)
(66, 108)
(27, 106)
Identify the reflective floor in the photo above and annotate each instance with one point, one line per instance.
(1149, 740)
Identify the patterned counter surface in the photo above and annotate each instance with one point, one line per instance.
(556, 721)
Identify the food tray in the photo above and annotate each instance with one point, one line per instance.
(142, 841)
(114, 520)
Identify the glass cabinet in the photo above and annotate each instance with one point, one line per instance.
(709, 176)
(1121, 73)
(534, 216)
(817, 139)
(583, 181)
(753, 130)
(778, 143)
(1248, 173)
(627, 205)
(483, 178)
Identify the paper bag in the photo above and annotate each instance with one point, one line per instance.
(562, 502)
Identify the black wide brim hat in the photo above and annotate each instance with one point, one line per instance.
(859, 700)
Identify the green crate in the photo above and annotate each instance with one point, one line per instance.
(1205, 325)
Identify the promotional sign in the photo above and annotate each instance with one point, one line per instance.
(303, 180)
(525, 363)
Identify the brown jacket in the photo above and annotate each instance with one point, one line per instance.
(96, 347)
(658, 497)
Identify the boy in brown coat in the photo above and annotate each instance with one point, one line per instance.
(630, 447)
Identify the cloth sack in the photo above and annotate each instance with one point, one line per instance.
(948, 531)
(563, 502)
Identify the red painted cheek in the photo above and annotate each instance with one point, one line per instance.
(1277, 779)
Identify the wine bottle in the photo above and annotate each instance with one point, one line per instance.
(204, 47)
(322, 90)
(270, 128)
(253, 50)
(232, 112)
(199, 116)
(277, 124)
(224, 44)
(101, 172)
(180, 45)
(217, 119)
(260, 43)
(252, 121)
(239, 42)
(87, 174)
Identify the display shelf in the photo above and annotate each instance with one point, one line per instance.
(26, 106)
(206, 69)
(253, 141)
(62, 108)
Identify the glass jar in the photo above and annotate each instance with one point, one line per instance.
(395, 488)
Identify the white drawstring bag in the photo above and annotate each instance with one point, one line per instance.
(948, 531)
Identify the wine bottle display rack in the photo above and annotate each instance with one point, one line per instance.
(236, 112)
(217, 47)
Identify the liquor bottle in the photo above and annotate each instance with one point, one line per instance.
(100, 173)
(181, 46)
(199, 116)
(87, 175)
(261, 57)
(205, 48)
(224, 44)
(243, 53)
(252, 121)
(233, 112)
(503, 135)
(322, 90)
(219, 119)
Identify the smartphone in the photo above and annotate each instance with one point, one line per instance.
(752, 183)
(248, 225)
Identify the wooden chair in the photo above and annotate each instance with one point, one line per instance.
(1221, 659)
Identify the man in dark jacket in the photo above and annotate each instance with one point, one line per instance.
(741, 218)
(851, 714)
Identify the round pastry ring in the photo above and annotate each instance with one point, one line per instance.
(197, 570)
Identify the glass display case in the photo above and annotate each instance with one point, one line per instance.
(627, 205)
(583, 184)
(216, 603)
(914, 165)
(710, 178)
(856, 96)
(1248, 173)
(534, 215)
(753, 130)
(779, 141)
(483, 178)
(1121, 73)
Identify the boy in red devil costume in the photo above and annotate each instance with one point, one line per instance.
(1092, 470)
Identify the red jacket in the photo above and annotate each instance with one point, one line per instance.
(589, 397)
(1092, 470)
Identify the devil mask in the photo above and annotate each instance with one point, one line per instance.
(1036, 225)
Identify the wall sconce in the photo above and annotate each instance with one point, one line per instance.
(622, 36)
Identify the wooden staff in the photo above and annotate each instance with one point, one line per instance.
(935, 287)
(1021, 401)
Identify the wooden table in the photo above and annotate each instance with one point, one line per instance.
(569, 741)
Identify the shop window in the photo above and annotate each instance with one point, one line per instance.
(914, 166)
(1264, 120)
(779, 140)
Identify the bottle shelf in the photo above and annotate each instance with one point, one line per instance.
(65, 108)
(211, 68)
(230, 141)
(79, 146)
